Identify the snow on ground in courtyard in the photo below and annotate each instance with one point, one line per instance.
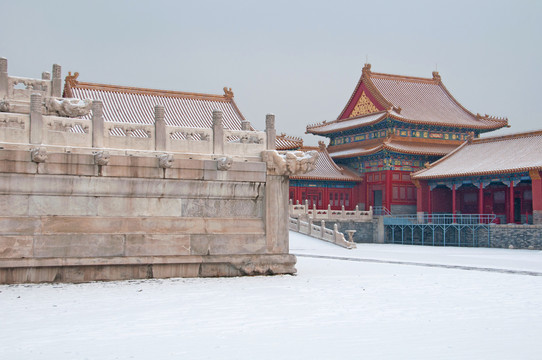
(378, 302)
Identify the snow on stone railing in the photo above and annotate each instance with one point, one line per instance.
(189, 140)
(298, 210)
(251, 143)
(48, 122)
(17, 88)
(320, 232)
(60, 130)
(33, 111)
(20, 88)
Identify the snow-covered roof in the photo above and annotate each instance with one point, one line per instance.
(326, 169)
(136, 105)
(405, 98)
(397, 145)
(493, 155)
(286, 142)
(346, 124)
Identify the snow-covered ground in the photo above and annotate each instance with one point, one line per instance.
(375, 302)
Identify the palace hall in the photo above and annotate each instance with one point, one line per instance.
(495, 175)
(393, 125)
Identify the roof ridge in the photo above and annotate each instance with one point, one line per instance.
(323, 149)
(157, 92)
(371, 87)
(72, 82)
(434, 80)
(517, 135)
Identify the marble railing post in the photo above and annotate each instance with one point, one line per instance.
(56, 84)
(270, 131)
(97, 124)
(336, 234)
(218, 133)
(160, 135)
(3, 78)
(322, 229)
(36, 119)
(245, 125)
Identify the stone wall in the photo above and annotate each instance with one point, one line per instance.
(84, 205)
(516, 236)
(366, 231)
(69, 219)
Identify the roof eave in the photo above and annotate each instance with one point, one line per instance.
(310, 129)
(471, 174)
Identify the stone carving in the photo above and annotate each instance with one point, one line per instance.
(69, 107)
(194, 136)
(66, 127)
(29, 84)
(101, 158)
(5, 106)
(38, 155)
(12, 123)
(224, 163)
(290, 162)
(165, 161)
(137, 132)
(250, 139)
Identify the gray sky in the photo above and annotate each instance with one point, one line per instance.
(297, 59)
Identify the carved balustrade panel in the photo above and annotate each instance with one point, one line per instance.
(20, 88)
(242, 142)
(189, 140)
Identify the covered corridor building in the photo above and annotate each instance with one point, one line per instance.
(496, 175)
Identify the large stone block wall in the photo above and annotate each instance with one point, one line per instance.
(66, 218)
(85, 200)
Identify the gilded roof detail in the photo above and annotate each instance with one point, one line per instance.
(363, 106)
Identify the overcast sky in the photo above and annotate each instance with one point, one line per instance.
(298, 60)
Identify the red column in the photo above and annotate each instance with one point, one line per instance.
(511, 202)
(536, 184)
(367, 198)
(388, 190)
(453, 201)
(481, 199)
(429, 207)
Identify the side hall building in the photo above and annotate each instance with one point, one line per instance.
(497, 175)
(327, 186)
(391, 126)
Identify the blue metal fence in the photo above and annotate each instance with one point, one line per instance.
(439, 229)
